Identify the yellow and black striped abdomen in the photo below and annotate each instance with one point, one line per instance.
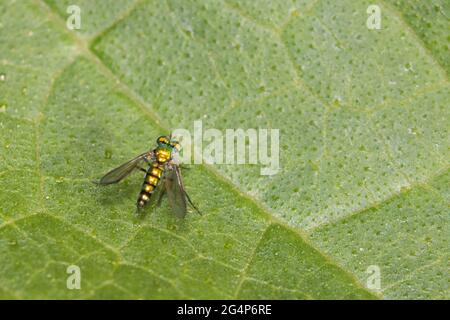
(152, 178)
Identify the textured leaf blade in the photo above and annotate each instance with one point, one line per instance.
(364, 178)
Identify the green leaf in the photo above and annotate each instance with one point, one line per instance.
(364, 126)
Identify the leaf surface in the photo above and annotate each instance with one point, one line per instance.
(363, 118)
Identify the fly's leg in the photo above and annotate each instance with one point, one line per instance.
(149, 160)
(191, 203)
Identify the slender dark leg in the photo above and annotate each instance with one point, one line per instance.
(149, 158)
(191, 203)
(142, 169)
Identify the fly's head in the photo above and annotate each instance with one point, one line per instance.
(166, 149)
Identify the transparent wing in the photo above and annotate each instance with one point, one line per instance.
(117, 174)
(175, 192)
(178, 197)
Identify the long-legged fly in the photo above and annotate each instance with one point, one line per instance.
(163, 175)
